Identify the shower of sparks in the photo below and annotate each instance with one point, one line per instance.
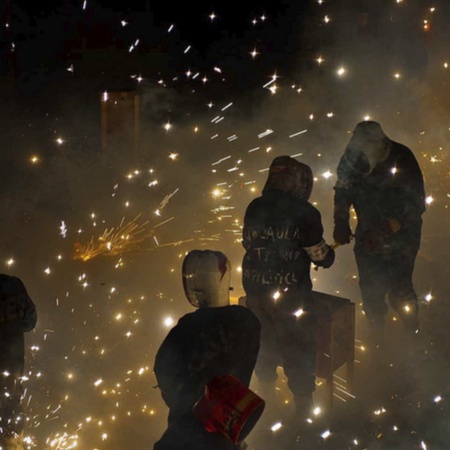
(115, 241)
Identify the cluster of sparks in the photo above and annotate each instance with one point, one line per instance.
(115, 241)
(235, 186)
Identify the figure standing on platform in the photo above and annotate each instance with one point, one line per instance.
(217, 339)
(17, 316)
(382, 180)
(282, 235)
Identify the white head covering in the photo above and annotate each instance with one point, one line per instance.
(206, 278)
(368, 147)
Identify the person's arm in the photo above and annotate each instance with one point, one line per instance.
(343, 200)
(409, 187)
(320, 253)
(251, 336)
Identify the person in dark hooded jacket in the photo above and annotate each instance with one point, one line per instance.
(17, 316)
(282, 236)
(216, 339)
(383, 182)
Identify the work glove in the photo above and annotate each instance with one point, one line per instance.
(342, 233)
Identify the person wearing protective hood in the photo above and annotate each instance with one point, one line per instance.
(383, 182)
(217, 339)
(282, 236)
(17, 316)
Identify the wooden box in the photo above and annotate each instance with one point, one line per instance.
(335, 338)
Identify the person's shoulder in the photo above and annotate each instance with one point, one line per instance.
(242, 314)
(401, 150)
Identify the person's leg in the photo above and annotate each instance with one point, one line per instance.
(402, 296)
(373, 283)
(297, 346)
(268, 356)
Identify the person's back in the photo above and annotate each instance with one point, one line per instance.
(282, 236)
(217, 339)
(17, 316)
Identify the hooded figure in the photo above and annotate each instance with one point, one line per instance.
(382, 180)
(217, 339)
(17, 316)
(282, 236)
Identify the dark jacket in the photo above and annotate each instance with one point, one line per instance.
(17, 316)
(278, 229)
(206, 343)
(393, 190)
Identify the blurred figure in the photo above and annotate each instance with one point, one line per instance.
(282, 235)
(217, 339)
(382, 180)
(17, 316)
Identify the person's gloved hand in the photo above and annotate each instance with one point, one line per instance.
(342, 233)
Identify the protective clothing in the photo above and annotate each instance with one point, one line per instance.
(282, 235)
(206, 278)
(209, 342)
(286, 174)
(389, 200)
(17, 316)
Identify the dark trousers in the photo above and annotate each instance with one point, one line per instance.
(388, 274)
(286, 340)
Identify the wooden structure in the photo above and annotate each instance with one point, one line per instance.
(335, 339)
(120, 120)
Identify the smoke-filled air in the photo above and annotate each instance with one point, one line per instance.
(135, 133)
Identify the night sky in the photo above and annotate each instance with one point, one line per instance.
(223, 89)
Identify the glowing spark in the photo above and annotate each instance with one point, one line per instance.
(437, 399)
(124, 23)
(63, 229)
(114, 241)
(47, 271)
(60, 141)
(326, 434)
(326, 19)
(187, 49)
(173, 156)
(168, 322)
(276, 296)
(397, 75)
(212, 16)
(167, 126)
(98, 382)
(265, 133)
(297, 313)
(327, 174)
(341, 71)
(105, 96)
(317, 411)
(34, 159)
(10, 262)
(70, 68)
(428, 297)
(298, 133)
(394, 170)
(320, 60)
(423, 445)
(429, 200)
(366, 118)
(276, 426)
(254, 53)
(330, 114)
